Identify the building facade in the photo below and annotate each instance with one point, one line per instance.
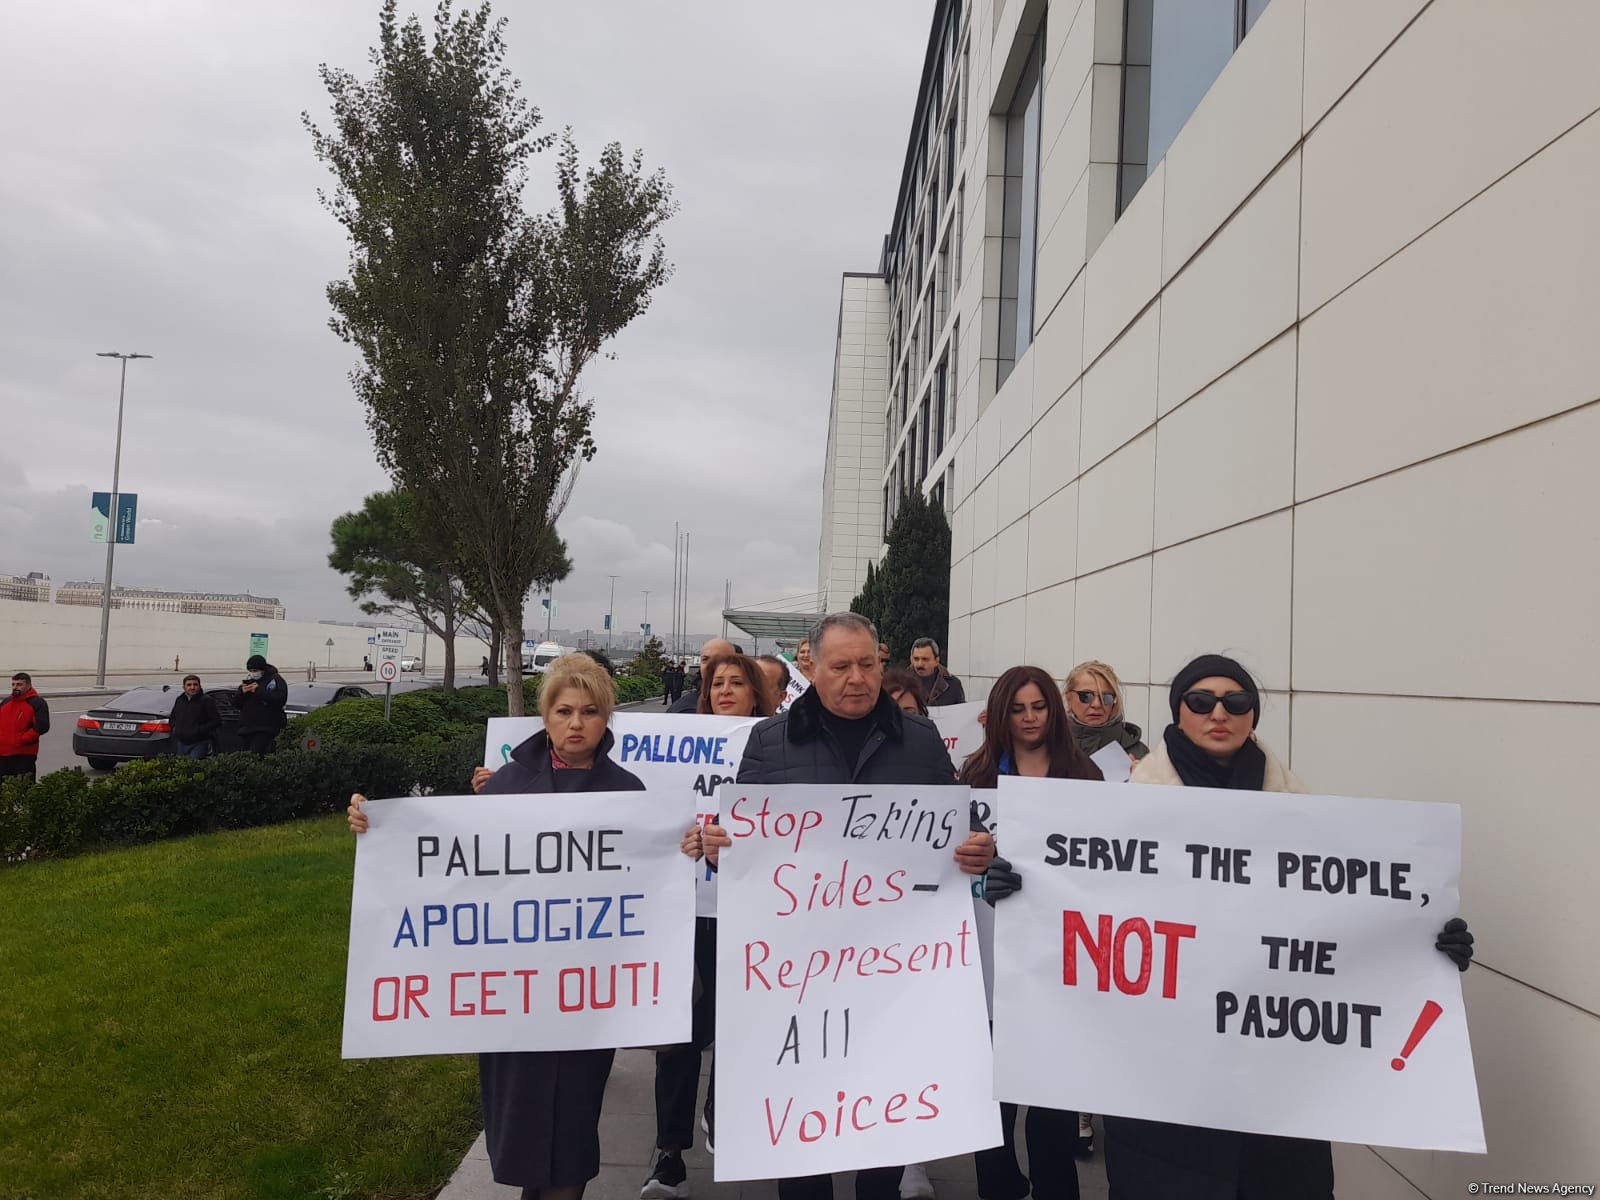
(32, 587)
(1265, 328)
(852, 497)
(209, 604)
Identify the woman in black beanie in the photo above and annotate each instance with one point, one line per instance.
(1212, 743)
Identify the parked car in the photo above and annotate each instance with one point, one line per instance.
(137, 723)
(411, 662)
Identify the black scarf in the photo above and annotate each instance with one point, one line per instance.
(1092, 739)
(1246, 772)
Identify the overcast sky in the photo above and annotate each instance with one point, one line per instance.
(158, 194)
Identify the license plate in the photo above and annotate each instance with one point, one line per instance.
(119, 726)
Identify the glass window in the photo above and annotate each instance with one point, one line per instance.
(941, 385)
(1019, 241)
(924, 410)
(1173, 52)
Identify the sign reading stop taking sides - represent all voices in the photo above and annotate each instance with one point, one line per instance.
(850, 1011)
(549, 922)
(1240, 960)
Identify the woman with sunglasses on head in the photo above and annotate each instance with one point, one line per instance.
(1026, 732)
(1094, 705)
(1212, 743)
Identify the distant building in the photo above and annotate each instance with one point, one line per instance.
(207, 604)
(32, 587)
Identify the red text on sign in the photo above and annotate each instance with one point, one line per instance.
(1108, 952)
(850, 1116)
(749, 821)
(835, 893)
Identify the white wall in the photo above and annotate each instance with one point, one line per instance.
(65, 639)
(852, 495)
(1327, 397)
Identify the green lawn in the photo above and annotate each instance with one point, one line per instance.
(170, 1024)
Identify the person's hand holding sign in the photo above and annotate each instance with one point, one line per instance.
(480, 777)
(357, 819)
(690, 844)
(712, 840)
(975, 854)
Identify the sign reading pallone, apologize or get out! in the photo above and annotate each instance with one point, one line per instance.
(549, 922)
(1239, 960)
(850, 1010)
(673, 754)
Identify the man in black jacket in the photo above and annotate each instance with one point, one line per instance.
(939, 687)
(195, 721)
(845, 730)
(261, 700)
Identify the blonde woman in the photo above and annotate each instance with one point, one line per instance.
(1095, 713)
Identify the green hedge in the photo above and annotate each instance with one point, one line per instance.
(67, 811)
(430, 745)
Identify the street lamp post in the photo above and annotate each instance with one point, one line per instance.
(111, 533)
(611, 615)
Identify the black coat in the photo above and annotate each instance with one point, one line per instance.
(195, 720)
(687, 703)
(261, 711)
(944, 688)
(1147, 1159)
(796, 747)
(541, 1109)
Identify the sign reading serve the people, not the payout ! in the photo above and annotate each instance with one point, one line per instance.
(1239, 960)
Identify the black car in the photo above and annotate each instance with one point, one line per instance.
(137, 724)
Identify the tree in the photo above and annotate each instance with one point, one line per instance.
(650, 661)
(398, 563)
(908, 595)
(475, 320)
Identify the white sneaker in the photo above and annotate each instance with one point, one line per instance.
(915, 1184)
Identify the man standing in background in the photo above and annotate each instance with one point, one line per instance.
(195, 721)
(24, 719)
(939, 687)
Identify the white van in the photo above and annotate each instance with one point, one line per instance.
(543, 655)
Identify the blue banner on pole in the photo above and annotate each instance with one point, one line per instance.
(100, 520)
(127, 517)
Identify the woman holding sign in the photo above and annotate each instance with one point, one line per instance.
(734, 686)
(1212, 743)
(541, 1111)
(1026, 732)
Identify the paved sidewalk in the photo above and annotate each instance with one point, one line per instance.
(627, 1150)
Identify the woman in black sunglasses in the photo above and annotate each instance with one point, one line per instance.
(1094, 710)
(1212, 743)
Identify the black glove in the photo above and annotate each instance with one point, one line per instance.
(1455, 939)
(1000, 880)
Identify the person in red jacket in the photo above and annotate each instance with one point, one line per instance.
(24, 719)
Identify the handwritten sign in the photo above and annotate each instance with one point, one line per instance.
(1239, 960)
(850, 1011)
(672, 754)
(551, 922)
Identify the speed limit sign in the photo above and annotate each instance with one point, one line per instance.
(388, 670)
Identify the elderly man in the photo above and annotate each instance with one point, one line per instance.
(939, 687)
(715, 648)
(845, 730)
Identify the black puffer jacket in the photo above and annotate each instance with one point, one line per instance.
(795, 747)
(261, 711)
(194, 719)
(1146, 1159)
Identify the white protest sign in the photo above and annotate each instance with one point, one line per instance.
(798, 685)
(850, 1014)
(672, 754)
(1113, 762)
(550, 922)
(1239, 960)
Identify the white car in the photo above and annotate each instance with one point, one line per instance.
(411, 662)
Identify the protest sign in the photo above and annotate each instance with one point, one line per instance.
(550, 922)
(671, 753)
(1240, 960)
(798, 686)
(850, 1014)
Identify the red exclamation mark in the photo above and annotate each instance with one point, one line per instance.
(1430, 1014)
(655, 983)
